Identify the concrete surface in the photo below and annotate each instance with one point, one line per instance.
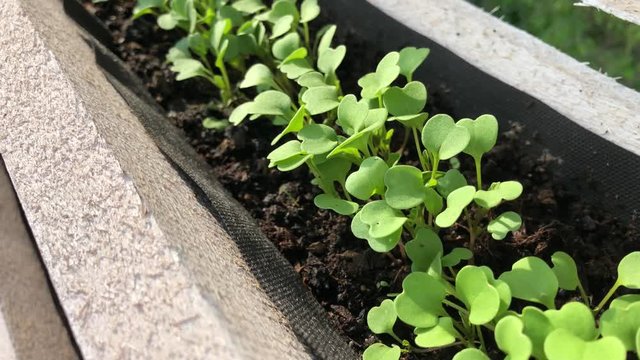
(141, 269)
(591, 99)
(29, 319)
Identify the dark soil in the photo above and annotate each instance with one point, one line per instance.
(345, 276)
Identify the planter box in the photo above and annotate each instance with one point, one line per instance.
(150, 258)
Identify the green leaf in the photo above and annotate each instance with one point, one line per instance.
(248, 6)
(340, 206)
(537, 327)
(282, 26)
(321, 99)
(387, 71)
(214, 124)
(425, 251)
(505, 222)
(271, 102)
(452, 180)
(295, 68)
(231, 13)
(330, 59)
(480, 297)
(309, 10)
(382, 219)
(565, 269)
(405, 188)
(622, 302)
(145, 6)
(297, 54)
(409, 100)
(285, 151)
(295, 124)
(179, 51)
(167, 21)
(317, 139)
(629, 271)
(361, 229)
(381, 319)
(441, 334)
(325, 36)
(380, 351)
(410, 59)
(498, 191)
(622, 323)
(457, 201)
(286, 45)
(221, 28)
(352, 114)
(311, 79)
(368, 180)
(443, 137)
(240, 113)
(433, 201)
(470, 354)
(333, 170)
(420, 303)
(576, 318)
(563, 345)
(533, 280)
(257, 75)
(511, 339)
(484, 133)
(456, 256)
(189, 68)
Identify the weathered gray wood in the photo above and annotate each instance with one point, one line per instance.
(141, 268)
(628, 10)
(589, 98)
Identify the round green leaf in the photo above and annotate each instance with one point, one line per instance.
(330, 59)
(368, 180)
(295, 124)
(271, 102)
(481, 298)
(624, 301)
(257, 75)
(457, 201)
(441, 334)
(317, 139)
(285, 46)
(456, 256)
(537, 327)
(387, 71)
(507, 190)
(565, 269)
(470, 354)
(622, 323)
(533, 280)
(409, 100)
(341, 206)
(443, 137)
(629, 271)
(380, 351)
(575, 317)
(410, 59)
(433, 201)
(563, 345)
(405, 188)
(452, 180)
(420, 303)
(188, 68)
(309, 10)
(321, 99)
(381, 319)
(505, 222)
(311, 79)
(511, 339)
(167, 21)
(352, 114)
(425, 251)
(484, 133)
(382, 219)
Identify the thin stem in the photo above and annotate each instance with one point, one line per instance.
(416, 140)
(344, 190)
(478, 162)
(407, 134)
(583, 294)
(392, 334)
(483, 346)
(434, 170)
(472, 236)
(456, 306)
(227, 82)
(305, 29)
(607, 297)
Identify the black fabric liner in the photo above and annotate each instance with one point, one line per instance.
(468, 92)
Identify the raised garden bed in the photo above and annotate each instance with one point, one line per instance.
(343, 273)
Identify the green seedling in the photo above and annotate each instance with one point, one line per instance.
(344, 141)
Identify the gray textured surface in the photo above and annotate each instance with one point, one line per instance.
(589, 98)
(28, 316)
(628, 10)
(141, 269)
